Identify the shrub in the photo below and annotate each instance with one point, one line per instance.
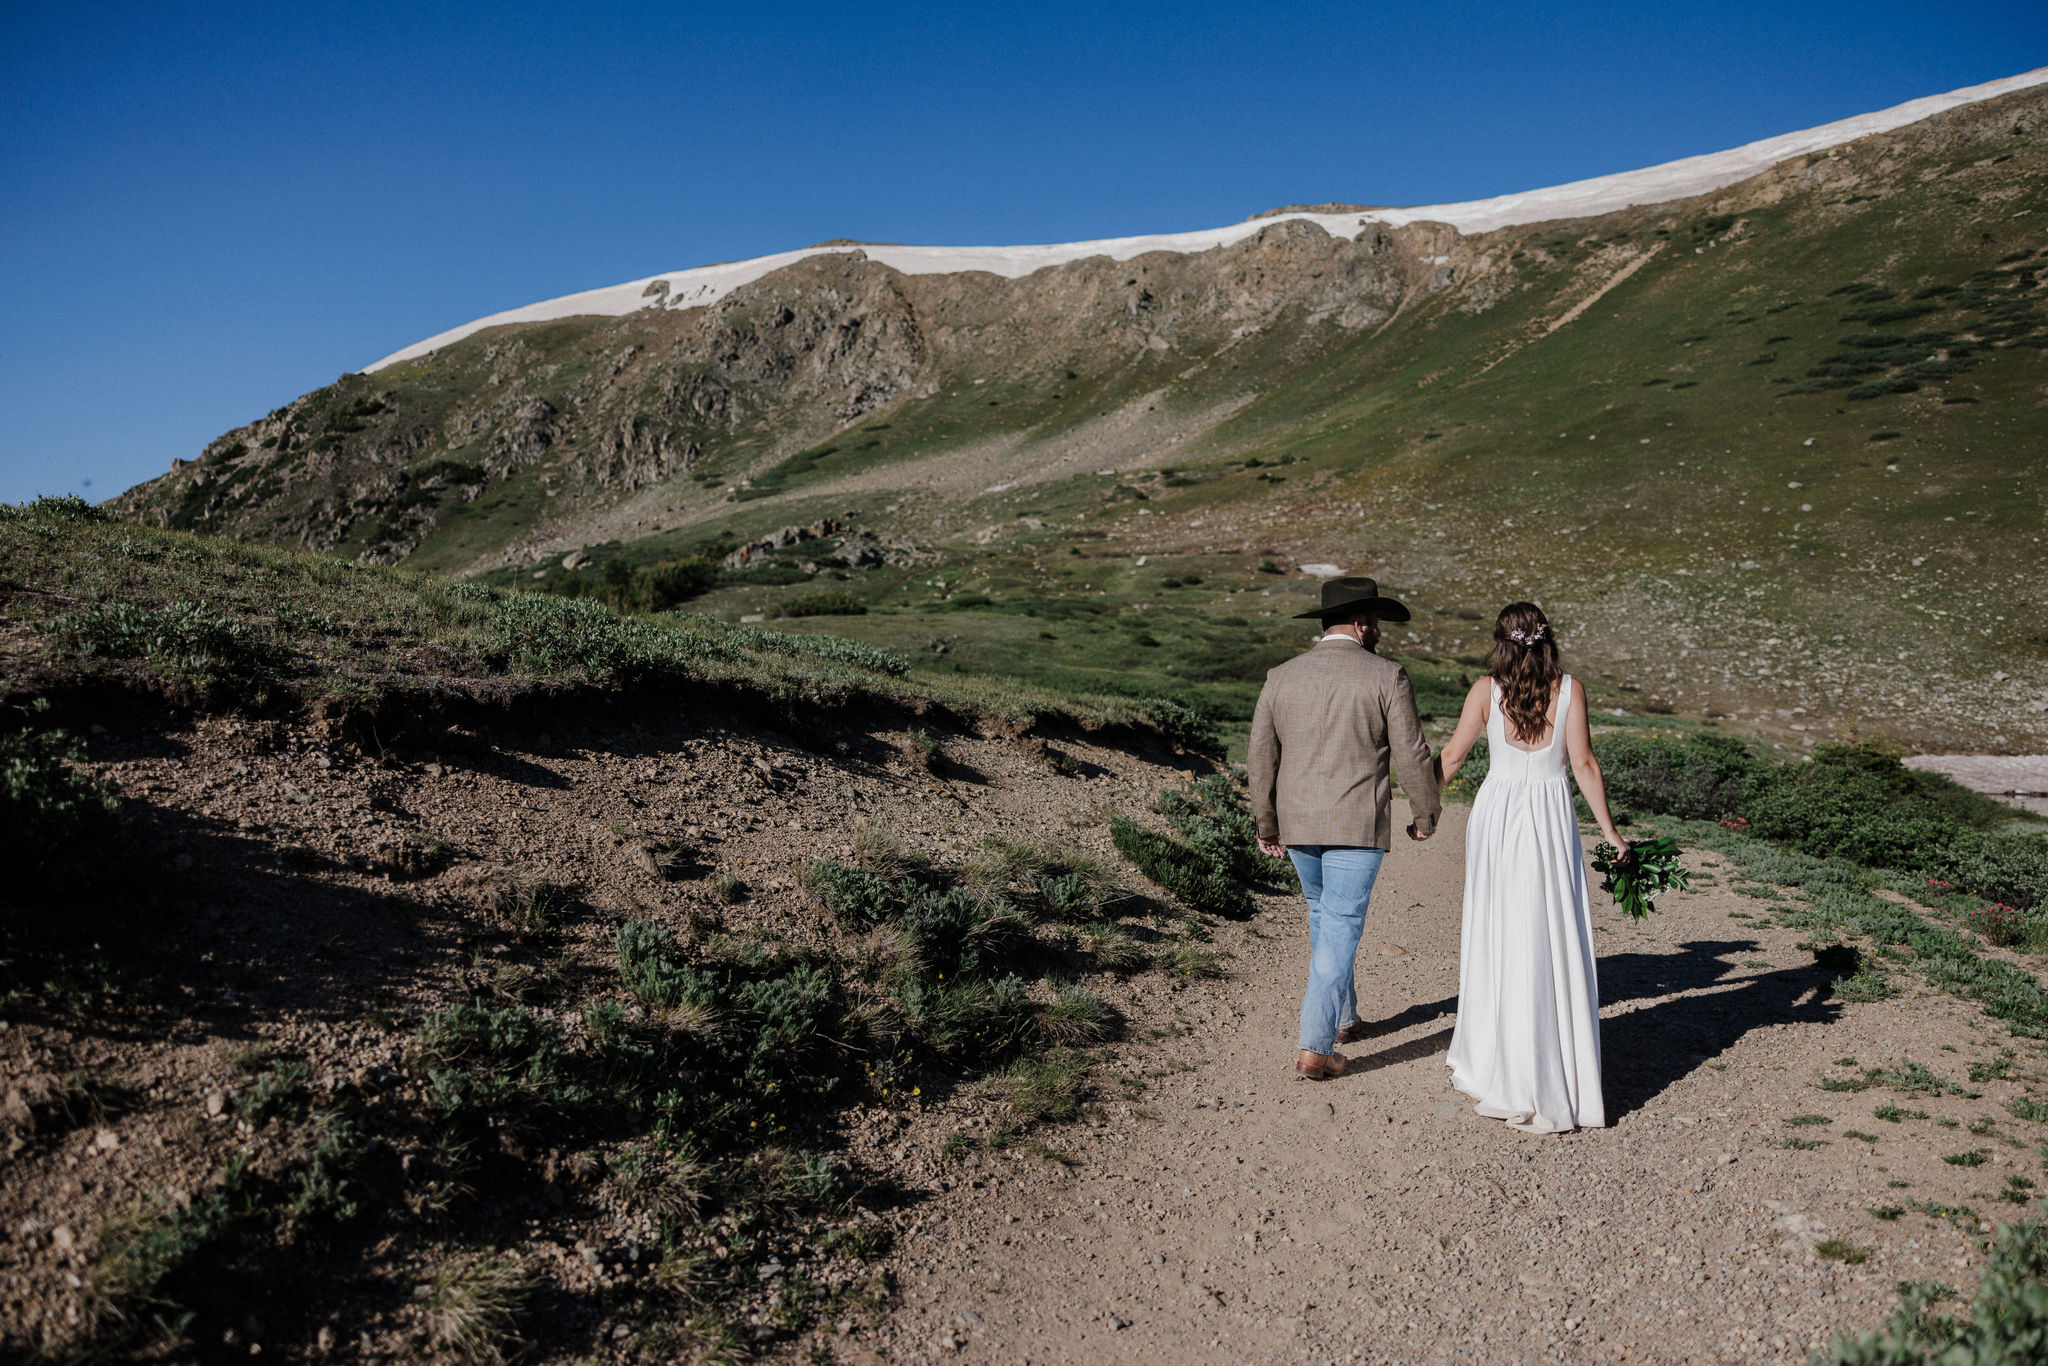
(1855, 802)
(832, 604)
(856, 897)
(1184, 726)
(956, 933)
(772, 1016)
(1213, 819)
(1068, 896)
(2010, 869)
(320, 1186)
(1999, 925)
(483, 1060)
(1702, 778)
(983, 1019)
(651, 967)
(1179, 869)
(675, 581)
(1472, 772)
(1864, 985)
(183, 637)
(47, 511)
(280, 1090)
(829, 649)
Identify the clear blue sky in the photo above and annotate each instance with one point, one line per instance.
(206, 210)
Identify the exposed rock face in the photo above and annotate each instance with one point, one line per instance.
(573, 416)
(780, 539)
(858, 548)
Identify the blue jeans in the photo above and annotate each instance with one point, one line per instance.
(1337, 879)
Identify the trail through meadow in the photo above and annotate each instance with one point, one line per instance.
(1230, 1212)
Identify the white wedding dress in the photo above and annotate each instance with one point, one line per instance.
(1527, 1045)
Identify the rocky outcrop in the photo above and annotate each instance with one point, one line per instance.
(574, 416)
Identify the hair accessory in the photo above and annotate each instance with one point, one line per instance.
(1528, 637)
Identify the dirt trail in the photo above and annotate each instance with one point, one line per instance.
(1233, 1213)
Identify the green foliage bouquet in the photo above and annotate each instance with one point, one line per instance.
(1637, 877)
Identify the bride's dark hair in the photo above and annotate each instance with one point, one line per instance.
(1524, 663)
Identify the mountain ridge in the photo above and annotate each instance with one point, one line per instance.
(1663, 183)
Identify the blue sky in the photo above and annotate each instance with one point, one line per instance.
(210, 209)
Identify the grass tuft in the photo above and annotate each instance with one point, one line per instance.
(473, 1304)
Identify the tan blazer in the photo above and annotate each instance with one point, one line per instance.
(1327, 723)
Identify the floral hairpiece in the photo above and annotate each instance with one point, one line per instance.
(1528, 637)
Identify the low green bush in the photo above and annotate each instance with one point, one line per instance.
(831, 604)
(1704, 777)
(956, 933)
(1179, 869)
(856, 897)
(1188, 727)
(2004, 1324)
(484, 1062)
(1213, 818)
(977, 1021)
(2008, 868)
(830, 649)
(656, 588)
(182, 637)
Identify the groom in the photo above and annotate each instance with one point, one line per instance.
(1327, 724)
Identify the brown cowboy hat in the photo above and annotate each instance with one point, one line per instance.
(1349, 597)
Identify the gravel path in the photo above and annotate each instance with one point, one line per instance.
(1233, 1213)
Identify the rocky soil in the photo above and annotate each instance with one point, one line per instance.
(1228, 1212)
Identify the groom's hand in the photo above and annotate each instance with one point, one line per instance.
(1272, 848)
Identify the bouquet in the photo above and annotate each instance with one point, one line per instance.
(1638, 876)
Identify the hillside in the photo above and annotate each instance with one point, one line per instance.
(394, 969)
(1771, 452)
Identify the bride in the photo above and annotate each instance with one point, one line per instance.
(1527, 1045)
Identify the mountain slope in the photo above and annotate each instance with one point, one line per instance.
(1771, 451)
(1580, 199)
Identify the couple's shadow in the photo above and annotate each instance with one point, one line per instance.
(1644, 1051)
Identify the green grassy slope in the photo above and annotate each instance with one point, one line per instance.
(1773, 453)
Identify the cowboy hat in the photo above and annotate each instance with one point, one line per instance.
(1353, 597)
